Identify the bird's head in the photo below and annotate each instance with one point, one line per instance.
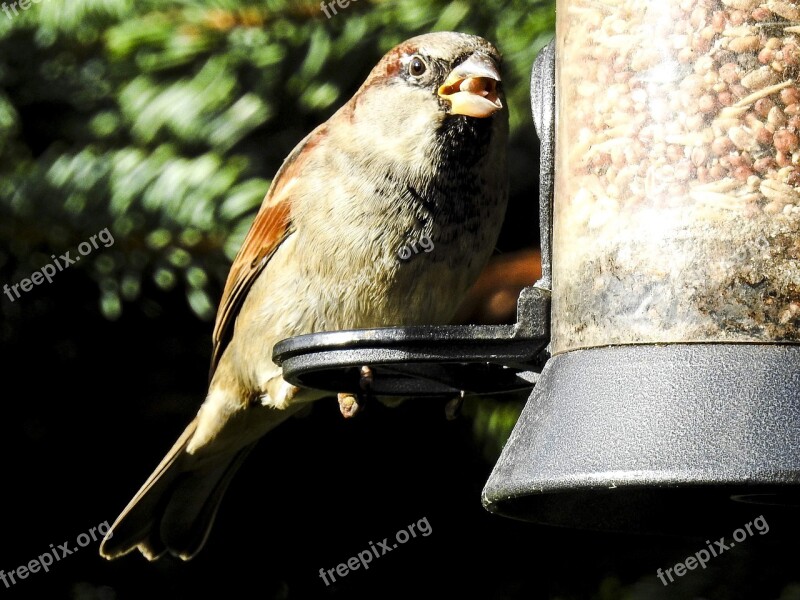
(460, 72)
(430, 92)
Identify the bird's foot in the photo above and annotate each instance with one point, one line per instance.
(351, 404)
(366, 380)
(452, 410)
(348, 405)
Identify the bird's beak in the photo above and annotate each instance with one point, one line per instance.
(471, 88)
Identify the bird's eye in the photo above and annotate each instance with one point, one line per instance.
(417, 67)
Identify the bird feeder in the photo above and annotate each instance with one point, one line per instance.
(672, 398)
(663, 336)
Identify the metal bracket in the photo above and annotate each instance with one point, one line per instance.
(543, 105)
(425, 361)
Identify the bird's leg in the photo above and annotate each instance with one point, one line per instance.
(452, 410)
(350, 404)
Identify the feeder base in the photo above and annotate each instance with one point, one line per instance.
(662, 439)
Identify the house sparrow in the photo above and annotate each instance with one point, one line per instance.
(418, 152)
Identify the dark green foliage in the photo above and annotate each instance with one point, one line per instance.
(165, 120)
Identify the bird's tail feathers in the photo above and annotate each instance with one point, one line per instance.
(175, 508)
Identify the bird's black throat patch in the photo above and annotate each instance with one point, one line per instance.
(464, 140)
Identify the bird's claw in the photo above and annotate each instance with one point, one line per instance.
(366, 379)
(351, 404)
(348, 405)
(452, 410)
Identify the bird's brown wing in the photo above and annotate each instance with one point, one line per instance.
(271, 227)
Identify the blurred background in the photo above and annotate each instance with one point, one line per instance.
(164, 122)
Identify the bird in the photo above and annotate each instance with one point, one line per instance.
(417, 153)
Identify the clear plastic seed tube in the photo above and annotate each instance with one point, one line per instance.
(677, 211)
